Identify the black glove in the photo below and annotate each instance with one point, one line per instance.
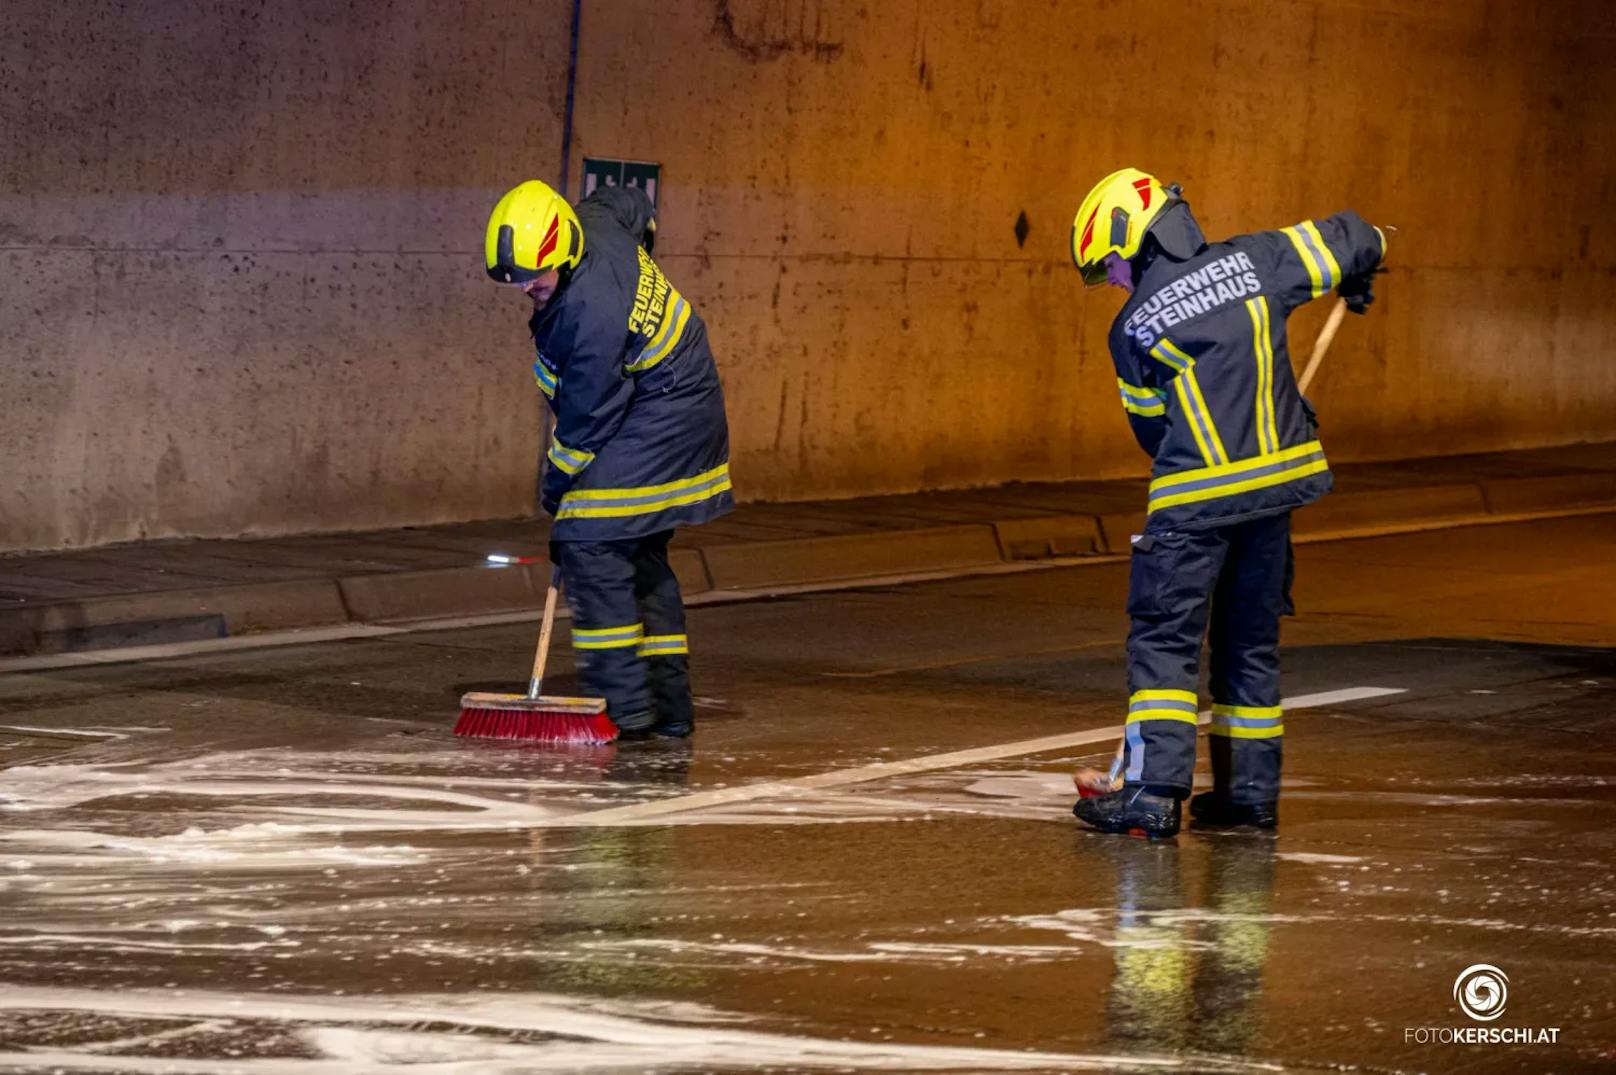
(1359, 290)
(553, 488)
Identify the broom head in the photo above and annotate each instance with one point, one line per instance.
(1092, 783)
(546, 719)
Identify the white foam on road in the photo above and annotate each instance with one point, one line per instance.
(490, 1034)
(292, 833)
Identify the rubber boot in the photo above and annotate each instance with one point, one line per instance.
(1132, 810)
(670, 696)
(1214, 809)
(632, 726)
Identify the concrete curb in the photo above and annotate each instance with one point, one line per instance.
(1046, 536)
(405, 595)
(1342, 513)
(760, 564)
(139, 619)
(1511, 496)
(170, 616)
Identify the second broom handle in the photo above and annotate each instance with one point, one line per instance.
(542, 654)
(1322, 344)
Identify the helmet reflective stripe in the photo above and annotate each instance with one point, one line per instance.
(1129, 202)
(531, 231)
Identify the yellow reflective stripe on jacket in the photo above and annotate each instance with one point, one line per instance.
(1147, 402)
(1321, 266)
(608, 637)
(663, 645)
(1200, 418)
(1163, 704)
(1262, 343)
(568, 459)
(1248, 721)
(1169, 354)
(1258, 472)
(1190, 398)
(643, 500)
(546, 380)
(1321, 249)
(667, 336)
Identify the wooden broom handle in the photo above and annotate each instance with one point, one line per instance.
(542, 654)
(1322, 344)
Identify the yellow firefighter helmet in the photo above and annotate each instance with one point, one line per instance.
(1114, 218)
(531, 231)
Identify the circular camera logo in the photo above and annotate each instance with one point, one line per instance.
(1482, 990)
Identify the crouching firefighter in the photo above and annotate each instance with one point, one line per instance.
(641, 443)
(1206, 381)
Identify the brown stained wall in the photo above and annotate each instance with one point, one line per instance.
(843, 180)
(238, 241)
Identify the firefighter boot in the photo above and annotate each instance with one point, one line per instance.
(1214, 809)
(1133, 810)
(632, 726)
(670, 696)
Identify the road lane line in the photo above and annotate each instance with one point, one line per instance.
(925, 763)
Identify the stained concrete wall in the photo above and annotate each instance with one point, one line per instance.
(241, 294)
(239, 278)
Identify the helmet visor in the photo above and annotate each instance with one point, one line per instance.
(512, 274)
(1094, 273)
(504, 269)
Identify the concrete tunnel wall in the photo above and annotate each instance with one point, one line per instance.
(239, 242)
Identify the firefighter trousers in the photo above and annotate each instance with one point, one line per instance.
(628, 630)
(1229, 584)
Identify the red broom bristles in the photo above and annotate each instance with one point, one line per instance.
(536, 725)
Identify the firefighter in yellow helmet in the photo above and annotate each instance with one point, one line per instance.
(1205, 377)
(641, 441)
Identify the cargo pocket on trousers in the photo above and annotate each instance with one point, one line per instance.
(1154, 573)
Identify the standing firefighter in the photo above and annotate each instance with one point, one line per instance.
(641, 443)
(1206, 381)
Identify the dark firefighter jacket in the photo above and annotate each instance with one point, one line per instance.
(641, 441)
(1206, 377)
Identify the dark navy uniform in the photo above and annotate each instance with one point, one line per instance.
(641, 446)
(1205, 375)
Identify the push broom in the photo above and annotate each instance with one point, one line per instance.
(1092, 782)
(533, 716)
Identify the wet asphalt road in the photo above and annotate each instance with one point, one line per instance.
(281, 861)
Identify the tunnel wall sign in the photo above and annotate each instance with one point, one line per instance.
(601, 171)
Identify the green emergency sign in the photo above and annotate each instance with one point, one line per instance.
(604, 172)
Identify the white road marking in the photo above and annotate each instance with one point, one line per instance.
(923, 764)
(75, 732)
